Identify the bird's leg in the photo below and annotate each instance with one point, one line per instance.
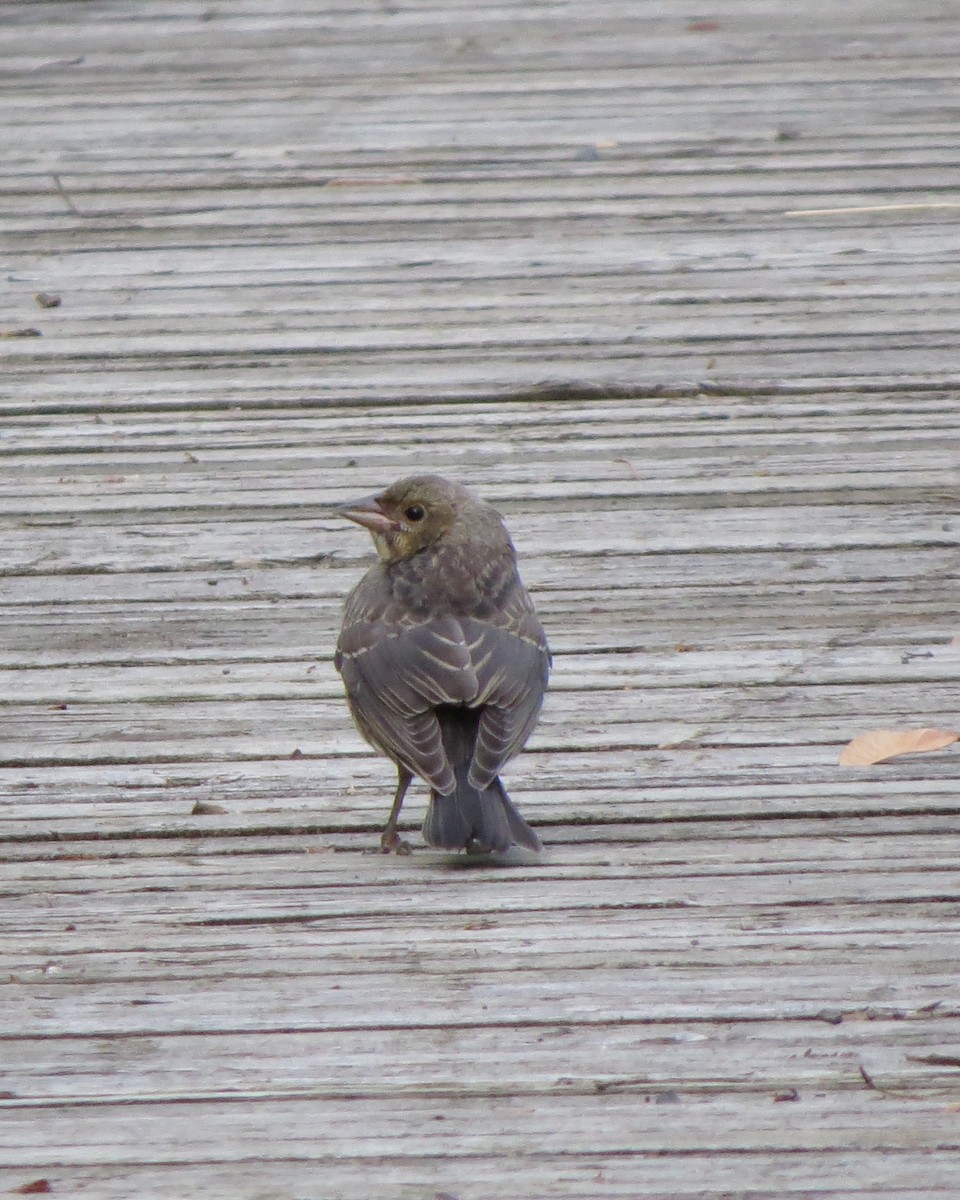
(390, 840)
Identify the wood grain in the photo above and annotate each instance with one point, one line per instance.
(677, 291)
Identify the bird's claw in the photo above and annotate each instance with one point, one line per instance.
(392, 843)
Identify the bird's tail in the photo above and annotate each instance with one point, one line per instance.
(467, 818)
(475, 820)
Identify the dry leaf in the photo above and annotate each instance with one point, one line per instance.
(880, 744)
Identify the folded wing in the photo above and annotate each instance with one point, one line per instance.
(396, 675)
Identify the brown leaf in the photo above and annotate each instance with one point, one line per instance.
(880, 744)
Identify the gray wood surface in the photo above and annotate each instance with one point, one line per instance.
(678, 289)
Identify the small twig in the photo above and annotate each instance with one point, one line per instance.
(935, 1060)
(65, 196)
(866, 208)
(868, 1078)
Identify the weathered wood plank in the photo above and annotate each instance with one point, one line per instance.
(315, 805)
(896, 1175)
(615, 1175)
(313, 1131)
(181, 542)
(646, 1060)
(779, 575)
(585, 259)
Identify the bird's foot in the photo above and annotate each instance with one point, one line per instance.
(392, 843)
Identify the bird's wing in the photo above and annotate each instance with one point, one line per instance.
(511, 661)
(395, 676)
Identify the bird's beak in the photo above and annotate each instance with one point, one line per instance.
(369, 513)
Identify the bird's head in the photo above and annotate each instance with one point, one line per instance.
(411, 514)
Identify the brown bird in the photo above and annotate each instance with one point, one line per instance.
(443, 659)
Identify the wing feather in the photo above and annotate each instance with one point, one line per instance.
(398, 670)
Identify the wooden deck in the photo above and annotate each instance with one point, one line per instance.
(678, 288)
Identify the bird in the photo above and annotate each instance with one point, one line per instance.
(443, 659)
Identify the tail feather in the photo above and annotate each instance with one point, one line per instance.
(467, 818)
(480, 821)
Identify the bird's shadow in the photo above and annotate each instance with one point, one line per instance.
(516, 856)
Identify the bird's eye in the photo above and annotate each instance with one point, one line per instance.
(414, 513)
